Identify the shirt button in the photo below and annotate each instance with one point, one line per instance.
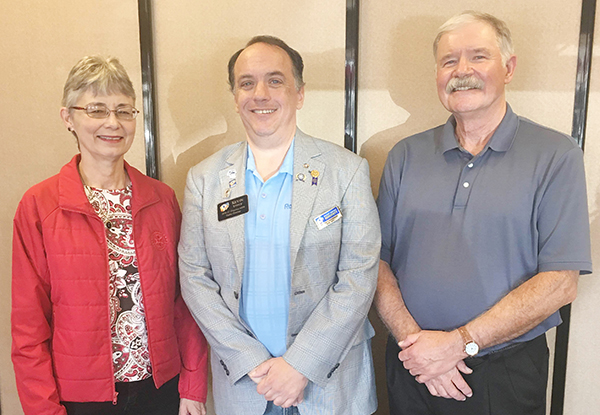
(262, 217)
(466, 184)
(263, 195)
(470, 165)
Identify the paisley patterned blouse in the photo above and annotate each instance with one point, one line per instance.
(131, 358)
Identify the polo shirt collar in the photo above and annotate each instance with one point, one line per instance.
(286, 167)
(501, 140)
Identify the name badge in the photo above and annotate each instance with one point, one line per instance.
(232, 208)
(328, 217)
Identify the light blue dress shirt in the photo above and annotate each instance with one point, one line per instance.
(267, 270)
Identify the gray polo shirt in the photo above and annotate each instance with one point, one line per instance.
(460, 232)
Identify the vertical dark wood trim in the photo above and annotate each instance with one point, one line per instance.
(148, 83)
(584, 67)
(350, 112)
(561, 346)
(582, 90)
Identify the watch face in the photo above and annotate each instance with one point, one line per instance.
(471, 348)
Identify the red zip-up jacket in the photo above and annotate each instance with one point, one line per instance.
(61, 342)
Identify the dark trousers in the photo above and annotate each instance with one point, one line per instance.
(134, 398)
(511, 381)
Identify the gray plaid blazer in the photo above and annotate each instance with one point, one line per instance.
(334, 276)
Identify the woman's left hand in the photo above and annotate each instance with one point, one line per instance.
(189, 407)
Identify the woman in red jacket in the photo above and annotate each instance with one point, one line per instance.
(98, 324)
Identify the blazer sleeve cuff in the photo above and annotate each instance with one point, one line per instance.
(239, 365)
(305, 362)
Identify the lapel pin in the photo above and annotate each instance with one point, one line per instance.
(306, 165)
(315, 176)
(232, 183)
(231, 173)
(301, 177)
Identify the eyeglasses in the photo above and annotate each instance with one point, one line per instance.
(125, 113)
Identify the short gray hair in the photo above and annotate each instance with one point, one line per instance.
(99, 75)
(503, 35)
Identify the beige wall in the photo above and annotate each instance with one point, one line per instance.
(42, 40)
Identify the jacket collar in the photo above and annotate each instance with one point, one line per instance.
(71, 195)
(233, 184)
(307, 161)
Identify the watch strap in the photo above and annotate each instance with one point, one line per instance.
(466, 336)
(471, 348)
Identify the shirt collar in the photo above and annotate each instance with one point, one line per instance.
(501, 140)
(286, 167)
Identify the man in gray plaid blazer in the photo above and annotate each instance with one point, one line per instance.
(279, 254)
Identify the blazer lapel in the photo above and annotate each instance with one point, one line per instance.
(233, 184)
(305, 188)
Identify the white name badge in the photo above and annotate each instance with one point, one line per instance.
(328, 217)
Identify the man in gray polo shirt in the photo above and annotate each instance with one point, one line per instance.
(485, 231)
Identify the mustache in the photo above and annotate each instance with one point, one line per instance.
(469, 82)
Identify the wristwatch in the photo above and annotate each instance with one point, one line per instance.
(471, 348)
